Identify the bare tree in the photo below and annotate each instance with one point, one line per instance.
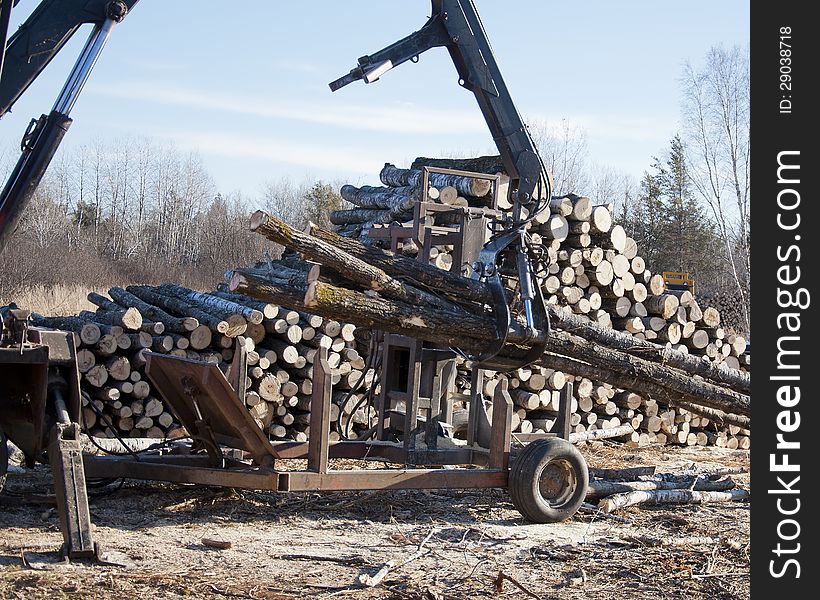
(286, 199)
(610, 185)
(564, 150)
(716, 121)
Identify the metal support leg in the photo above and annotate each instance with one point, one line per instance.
(411, 407)
(476, 396)
(318, 442)
(66, 460)
(502, 425)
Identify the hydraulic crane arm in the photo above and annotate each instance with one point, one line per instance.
(28, 52)
(455, 24)
(42, 36)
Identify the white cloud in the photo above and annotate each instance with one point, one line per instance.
(348, 160)
(615, 126)
(405, 118)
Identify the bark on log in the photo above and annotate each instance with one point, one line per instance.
(154, 313)
(268, 310)
(129, 318)
(178, 306)
(438, 326)
(359, 217)
(417, 272)
(356, 270)
(225, 317)
(330, 301)
(600, 434)
(466, 186)
(617, 501)
(226, 306)
(601, 489)
(627, 381)
(482, 164)
(89, 333)
(397, 199)
(104, 303)
(736, 380)
(718, 416)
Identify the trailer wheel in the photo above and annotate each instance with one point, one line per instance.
(548, 481)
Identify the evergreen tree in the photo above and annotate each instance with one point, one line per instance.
(670, 226)
(319, 202)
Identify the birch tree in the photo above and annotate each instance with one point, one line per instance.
(716, 122)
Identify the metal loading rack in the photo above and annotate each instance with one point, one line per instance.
(212, 411)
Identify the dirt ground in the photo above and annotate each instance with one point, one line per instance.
(448, 544)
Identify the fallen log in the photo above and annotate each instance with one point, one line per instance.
(618, 501)
(177, 306)
(128, 318)
(715, 415)
(627, 381)
(371, 311)
(473, 332)
(391, 199)
(601, 489)
(601, 434)
(88, 332)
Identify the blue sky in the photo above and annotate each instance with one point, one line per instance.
(244, 83)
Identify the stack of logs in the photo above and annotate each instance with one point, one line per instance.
(647, 366)
(591, 276)
(170, 319)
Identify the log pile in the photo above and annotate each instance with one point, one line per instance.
(170, 319)
(393, 202)
(637, 354)
(647, 365)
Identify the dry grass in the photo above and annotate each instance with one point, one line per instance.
(56, 300)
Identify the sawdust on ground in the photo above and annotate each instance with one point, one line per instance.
(433, 544)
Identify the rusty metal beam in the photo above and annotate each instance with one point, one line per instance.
(364, 479)
(96, 466)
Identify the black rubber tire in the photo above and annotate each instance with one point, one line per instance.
(548, 481)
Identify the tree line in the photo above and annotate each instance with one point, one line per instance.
(132, 210)
(690, 210)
